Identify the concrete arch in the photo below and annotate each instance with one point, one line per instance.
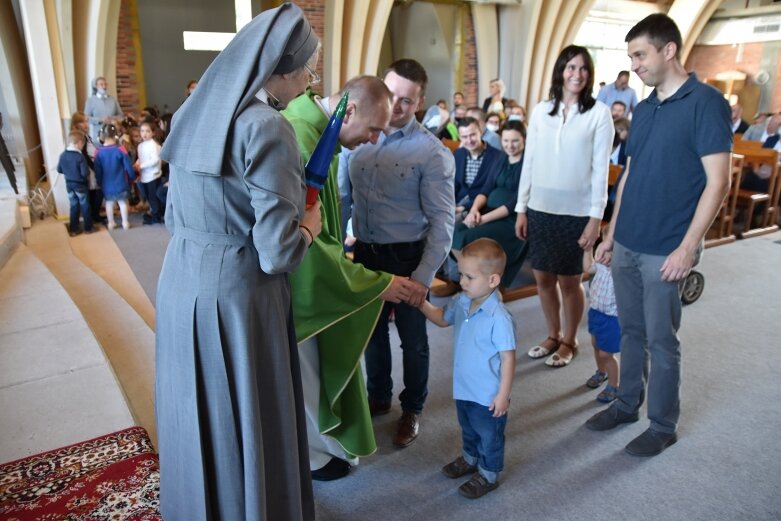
(95, 25)
(524, 57)
(353, 40)
(691, 17)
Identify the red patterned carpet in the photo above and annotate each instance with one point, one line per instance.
(113, 477)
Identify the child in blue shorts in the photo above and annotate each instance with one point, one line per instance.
(605, 331)
(483, 365)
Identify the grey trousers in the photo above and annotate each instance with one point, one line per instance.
(649, 311)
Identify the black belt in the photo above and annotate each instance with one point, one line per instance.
(392, 247)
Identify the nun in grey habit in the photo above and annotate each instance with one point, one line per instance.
(230, 416)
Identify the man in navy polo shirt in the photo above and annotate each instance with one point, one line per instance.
(675, 181)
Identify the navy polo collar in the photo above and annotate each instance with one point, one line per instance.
(683, 91)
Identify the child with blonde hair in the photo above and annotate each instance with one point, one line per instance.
(73, 167)
(483, 365)
(604, 328)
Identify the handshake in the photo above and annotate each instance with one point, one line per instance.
(405, 290)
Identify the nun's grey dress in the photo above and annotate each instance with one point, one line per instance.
(231, 426)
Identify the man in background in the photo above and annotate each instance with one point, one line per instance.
(619, 90)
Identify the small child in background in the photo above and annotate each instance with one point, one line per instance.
(150, 169)
(604, 328)
(74, 167)
(136, 199)
(483, 365)
(80, 122)
(114, 173)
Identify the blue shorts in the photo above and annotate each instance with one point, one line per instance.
(606, 331)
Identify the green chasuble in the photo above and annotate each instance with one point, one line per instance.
(336, 300)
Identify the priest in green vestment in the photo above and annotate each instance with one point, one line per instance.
(336, 303)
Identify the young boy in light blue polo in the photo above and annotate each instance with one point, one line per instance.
(483, 365)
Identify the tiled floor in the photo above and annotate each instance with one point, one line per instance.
(122, 330)
(56, 385)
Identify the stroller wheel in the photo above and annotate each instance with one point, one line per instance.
(693, 287)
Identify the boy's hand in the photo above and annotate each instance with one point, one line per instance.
(604, 254)
(500, 405)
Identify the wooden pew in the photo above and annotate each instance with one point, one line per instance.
(748, 199)
(721, 229)
(451, 144)
(743, 145)
(613, 173)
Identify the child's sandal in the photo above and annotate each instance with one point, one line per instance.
(608, 394)
(596, 380)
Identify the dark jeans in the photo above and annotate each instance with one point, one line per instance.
(95, 203)
(482, 434)
(79, 202)
(399, 259)
(149, 192)
(162, 194)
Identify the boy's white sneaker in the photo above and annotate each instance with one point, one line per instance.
(126, 225)
(111, 225)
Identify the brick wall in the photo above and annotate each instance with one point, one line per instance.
(315, 12)
(470, 85)
(709, 60)
(127, 84)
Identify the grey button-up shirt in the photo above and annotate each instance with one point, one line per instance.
(403, 192)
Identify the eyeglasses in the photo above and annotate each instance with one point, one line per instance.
(314, 78)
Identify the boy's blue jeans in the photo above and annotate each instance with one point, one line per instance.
(483, 438)
(79, 201)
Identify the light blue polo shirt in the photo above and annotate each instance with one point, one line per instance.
(477, 340)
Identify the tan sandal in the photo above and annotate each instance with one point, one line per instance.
(541, 351)
(557, 360)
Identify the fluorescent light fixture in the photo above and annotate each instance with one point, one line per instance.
(205, 41)
(208, 41)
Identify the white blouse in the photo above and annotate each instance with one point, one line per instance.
(149, 160)
(565, 164)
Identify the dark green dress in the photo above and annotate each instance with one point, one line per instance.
(501, 191)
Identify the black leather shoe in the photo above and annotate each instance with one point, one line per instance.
(378, 408)
(334, 469)
(458, 467)
(651, 443)
(477, 487)
(610, 418)
(407, 429)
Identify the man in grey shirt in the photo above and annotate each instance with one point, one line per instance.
(403, 220)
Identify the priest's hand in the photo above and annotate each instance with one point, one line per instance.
(418, 293)
(399, 290)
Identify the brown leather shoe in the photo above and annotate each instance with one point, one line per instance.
(378, 408)
(407, 429)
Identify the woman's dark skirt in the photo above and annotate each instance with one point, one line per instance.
(553, 242)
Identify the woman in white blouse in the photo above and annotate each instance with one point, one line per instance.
(562, 195)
